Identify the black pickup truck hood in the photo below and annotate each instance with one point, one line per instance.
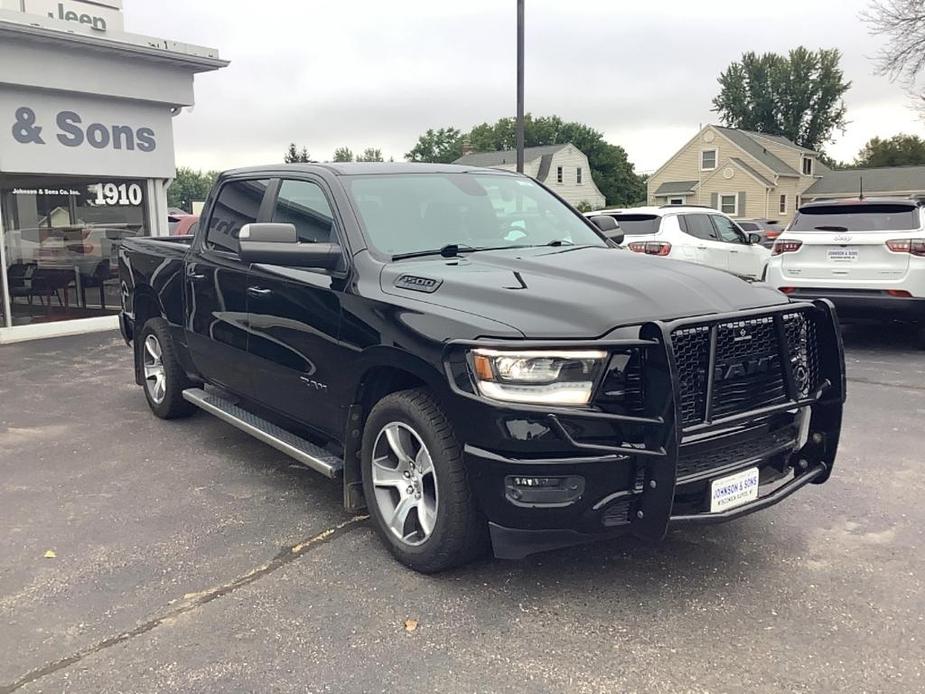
(572, 292)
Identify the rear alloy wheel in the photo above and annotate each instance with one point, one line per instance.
(416, 486)
(162, 376)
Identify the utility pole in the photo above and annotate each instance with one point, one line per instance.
(520, 86)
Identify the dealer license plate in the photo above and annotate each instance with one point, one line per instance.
(842, 255)
(734, 490)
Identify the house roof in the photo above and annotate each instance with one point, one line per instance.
(779, 139)
(887, 179)
(507, 156)
(674, 187)
(751, 143)
(741, 164)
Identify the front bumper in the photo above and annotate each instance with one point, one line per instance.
(662, 478)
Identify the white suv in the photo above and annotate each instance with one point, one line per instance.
(695, 234)
(866, 255)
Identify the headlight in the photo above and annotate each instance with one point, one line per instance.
(559, 377)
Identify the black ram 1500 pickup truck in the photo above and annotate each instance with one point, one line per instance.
(477, 361)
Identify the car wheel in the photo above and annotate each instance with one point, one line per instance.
(163, 378)
(415, 484)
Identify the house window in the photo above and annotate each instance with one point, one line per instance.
(675, 201)
(578, 175)
(807, 166)
(708, 160)
(729, 204)
(783, 204)
(558, 174)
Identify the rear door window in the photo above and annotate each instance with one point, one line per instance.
(237, 204)
(638, 224)
(699, 226)
(873, 217)
(303, 204)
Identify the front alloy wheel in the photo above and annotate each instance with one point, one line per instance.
(405, 483)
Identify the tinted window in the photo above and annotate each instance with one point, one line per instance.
(727, 229)
(638, 224)
(700, 226)
(749, 226)
(303, 204)
(877, 217)
(407, 213)
(237, 204)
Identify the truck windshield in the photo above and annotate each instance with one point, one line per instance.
(872, 217)
(414, 213)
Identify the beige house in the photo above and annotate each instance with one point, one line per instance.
(742, 173)
(563, 168)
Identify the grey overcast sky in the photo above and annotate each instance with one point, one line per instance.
(375, 73)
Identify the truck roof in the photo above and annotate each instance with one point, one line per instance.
(365, 168)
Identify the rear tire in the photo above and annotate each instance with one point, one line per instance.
(163, 378)
(418, 495)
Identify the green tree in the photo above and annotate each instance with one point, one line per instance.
(899, 150)
(798, 95)
(296, 156)
(343, 154)
(370, 154)
(437, 146)
(610, 167)
(189, 186)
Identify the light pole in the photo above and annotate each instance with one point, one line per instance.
(520, 86)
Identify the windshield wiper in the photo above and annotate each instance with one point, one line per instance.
(452, 250)
(830, 228)
(560, 242)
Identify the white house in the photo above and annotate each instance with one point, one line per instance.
(563, 168)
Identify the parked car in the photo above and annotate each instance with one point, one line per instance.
(182, 224)
(377, 323)
(866, 255)
(694, 234)
(767, 229)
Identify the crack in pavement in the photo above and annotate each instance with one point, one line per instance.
(191, 602)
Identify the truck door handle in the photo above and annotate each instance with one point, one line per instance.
(259, 292)
(195, 276)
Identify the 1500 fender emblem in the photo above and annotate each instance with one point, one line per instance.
(418, 284)
(746, 367)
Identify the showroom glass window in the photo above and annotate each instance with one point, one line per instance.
(61, 238)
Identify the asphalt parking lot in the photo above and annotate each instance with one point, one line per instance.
(191, 557)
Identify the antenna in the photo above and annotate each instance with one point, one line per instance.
(860, 187)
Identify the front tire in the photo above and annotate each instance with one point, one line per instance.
(163, 378)
(415, 484)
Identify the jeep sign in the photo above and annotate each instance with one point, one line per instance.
(93, 15)
(41, 132)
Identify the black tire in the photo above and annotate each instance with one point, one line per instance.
(171, 405)
(459, 532)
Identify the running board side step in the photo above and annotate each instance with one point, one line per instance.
(306, 452)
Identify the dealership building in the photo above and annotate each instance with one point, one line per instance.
(86, 155)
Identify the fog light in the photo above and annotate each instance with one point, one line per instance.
(543, 491)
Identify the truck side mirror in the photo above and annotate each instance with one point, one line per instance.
(278, 244)
(754, 239)
(609, 227)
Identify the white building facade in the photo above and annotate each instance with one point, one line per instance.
(86, 155)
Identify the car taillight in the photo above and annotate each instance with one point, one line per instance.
(650, 247)
(899, 293)
(912, 246)
(771, 235)
(787, 290)
(781, 247)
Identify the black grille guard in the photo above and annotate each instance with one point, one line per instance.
(663, 437)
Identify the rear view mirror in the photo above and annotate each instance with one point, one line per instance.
(278, 244)
(608, 226)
